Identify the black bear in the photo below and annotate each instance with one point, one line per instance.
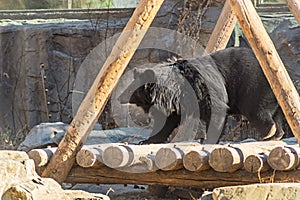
(229, 81)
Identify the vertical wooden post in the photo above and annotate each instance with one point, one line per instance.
(294, 6)
(70, 2)
(272, 66)
(222, 31)
(99, 93)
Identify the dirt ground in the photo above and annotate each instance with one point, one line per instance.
(138, 192)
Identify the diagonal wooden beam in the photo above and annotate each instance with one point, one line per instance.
(99, 93)
(294, 6)
(272, 66)
(222, 31)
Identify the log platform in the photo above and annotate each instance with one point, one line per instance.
(182, 164)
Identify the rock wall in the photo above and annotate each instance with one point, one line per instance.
(286, 38)
(60, 45)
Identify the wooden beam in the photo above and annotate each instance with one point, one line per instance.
(99, 93)
(222, 31)
(272, 66)
(294, 6)
(205, 179)
(70, 3)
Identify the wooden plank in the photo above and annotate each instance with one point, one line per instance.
(222, 31)
(294, 6)
(99, 93)
(272, 66)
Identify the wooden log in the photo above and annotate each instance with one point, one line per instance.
(89, 157)
(149, 160)
(231, 158)
(145, 165)
(100, 91)
(226, 159)
(222, 31)
(284, 158)
(131, 156)
(128, 157)
(117, 156)
(272, 66)
(256, 163)
(294, 6)
(169, 158)
(196, 159)
(206, 179)
(41, 157)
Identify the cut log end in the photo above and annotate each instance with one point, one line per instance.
(117, 156)
(256, 163)
(282, 158)
(88, 158)
(41, 156)
(169, 159)
(196, 161)
(39, 160)
(149, 160)
(225, 159)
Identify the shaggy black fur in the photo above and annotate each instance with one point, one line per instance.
(229, 79)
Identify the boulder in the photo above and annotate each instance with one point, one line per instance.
(50, 134)
(286, 38)
(20, 181)
(270, 191)
(46, 189)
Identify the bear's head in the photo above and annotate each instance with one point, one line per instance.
(139, 90)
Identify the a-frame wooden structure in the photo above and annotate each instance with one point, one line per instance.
(94, 103)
